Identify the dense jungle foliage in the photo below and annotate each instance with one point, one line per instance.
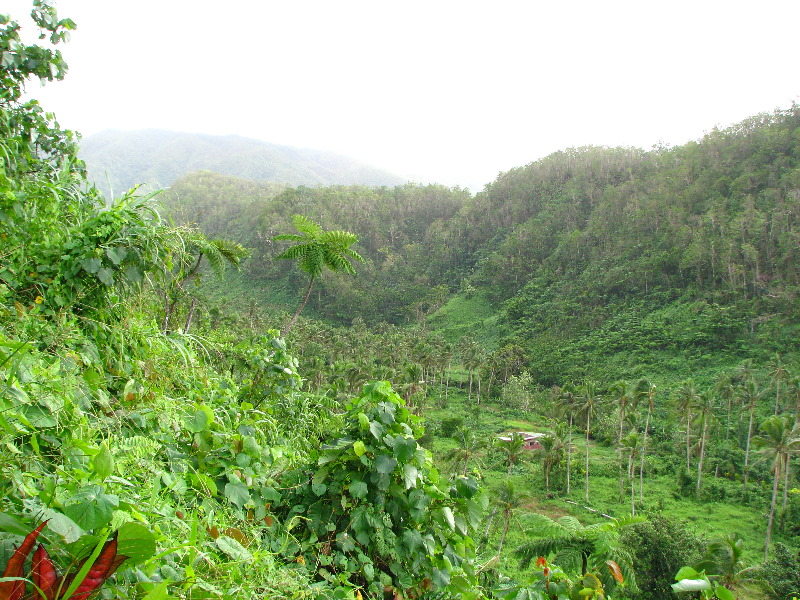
(636, 311)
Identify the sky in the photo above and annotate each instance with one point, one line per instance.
(451, 92)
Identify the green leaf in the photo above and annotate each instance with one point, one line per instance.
(136, 542)
(200, 420)
(686, 573)
(116, 254)
(722, 592)
(237, 493)
(410, 474)
(233, 549)
(359, 448)
(106, 276)
(319, 488)
(159, 592)
(103, 462)
(385, 464)
(358, 489)
(448, 515)
(93, 512)
(405, 448)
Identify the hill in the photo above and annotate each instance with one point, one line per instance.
(118, 160)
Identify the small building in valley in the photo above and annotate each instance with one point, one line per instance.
(531, 439)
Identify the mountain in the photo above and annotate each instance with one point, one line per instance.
(118, 160)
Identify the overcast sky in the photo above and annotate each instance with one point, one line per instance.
(452, 92)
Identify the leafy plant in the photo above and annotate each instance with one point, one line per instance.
(374, 514)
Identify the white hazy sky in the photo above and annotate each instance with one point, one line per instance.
(437, 90)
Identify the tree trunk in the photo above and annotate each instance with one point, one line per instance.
(569, 453)
(747, 449)
(588, 418)
(644, 451)
(190, 316)
(772, 508)
(299, 310)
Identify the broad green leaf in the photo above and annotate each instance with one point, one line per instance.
(200, 420)
(359, 448)
(237, 493)
(93, 512)
(319, 488)
(363, 421)
(385, 464)
(410, 474)
(233, 549)
(448, 515)
(64, 526)
(691, 585)
(116, 254)
(159, 592)
(686, 573)
(106, 276)
(405, 448)
(722, 592)
(136, 542)
(386, 412)
(358, 489)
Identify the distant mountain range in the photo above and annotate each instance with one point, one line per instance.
(119, 160)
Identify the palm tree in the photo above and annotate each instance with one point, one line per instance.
(469, 445)
(569, 404)
(315, 250)
(777, 372)
(724, 559)
(590, 399)
(512, 448)
(507, 500)
(647, 390)
(780, 439)
(750, 396)
(687, 397)
(629, 446)
(550, 453)
(705, 403)
(195, 247)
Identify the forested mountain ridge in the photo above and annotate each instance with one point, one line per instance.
(118, 160)
(617, 249)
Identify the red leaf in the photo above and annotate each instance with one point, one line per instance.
(43, 574)
(13, 590)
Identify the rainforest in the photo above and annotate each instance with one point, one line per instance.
(580, 382)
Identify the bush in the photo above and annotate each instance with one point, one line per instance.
(661, 546)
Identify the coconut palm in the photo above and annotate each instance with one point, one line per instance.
(778, 372)
(590, 400)
(512, 448)
(686, 400)
(779, 440)
(705, 405)
(569, 405)
(750, 396)
(646, 391)
(550, 454)
(316, 250)
(468, 448)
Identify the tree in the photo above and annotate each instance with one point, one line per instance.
(512, 448)
(469, 445)
(750, 396)
(777, 373)
(569, 403)
(705, 403)
(316, 250)
(590, 399)
(687, 398)
(551, 453)
(193, 249)
(647, 390)
(779, 439)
